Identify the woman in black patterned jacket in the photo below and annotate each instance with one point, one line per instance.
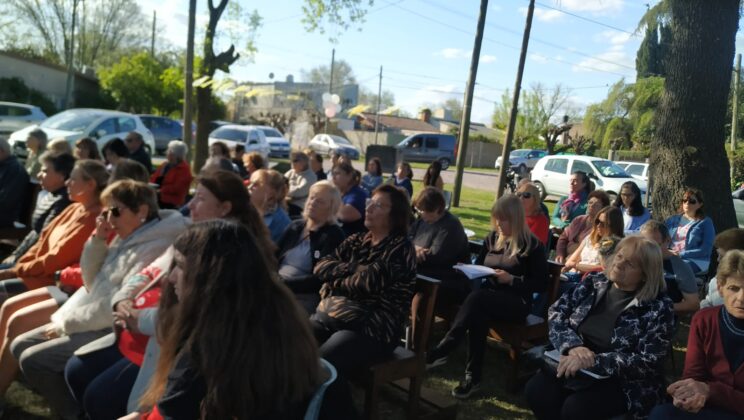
(367, 287)
(616, 324)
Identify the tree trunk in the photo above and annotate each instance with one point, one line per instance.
(203, 116)
(689, 146)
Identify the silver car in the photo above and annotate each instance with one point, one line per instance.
(14, 117)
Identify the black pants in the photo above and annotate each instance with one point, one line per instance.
(479, 309)
(349, 351)
(550, 399)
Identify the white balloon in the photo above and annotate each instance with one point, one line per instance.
(335, 99)
(326, 97)
(337, 107)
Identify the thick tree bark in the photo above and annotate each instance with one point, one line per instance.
(689, 147)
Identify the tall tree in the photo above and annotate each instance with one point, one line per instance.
(647, 57)
(342, 74)
(688, 149)
(367, 97)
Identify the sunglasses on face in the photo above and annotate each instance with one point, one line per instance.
(113, 211)
(525, 194)
(600, 223)
(690, 201)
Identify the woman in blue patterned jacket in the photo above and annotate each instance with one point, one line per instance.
(616, 324)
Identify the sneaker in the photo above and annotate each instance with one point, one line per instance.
(435, 362)
(466, 389)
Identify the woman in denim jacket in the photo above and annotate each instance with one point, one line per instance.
(616, 325)
(692, 233)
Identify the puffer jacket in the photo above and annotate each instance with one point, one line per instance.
(105, 268)
(639, 342)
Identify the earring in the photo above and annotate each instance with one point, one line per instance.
(143, 220)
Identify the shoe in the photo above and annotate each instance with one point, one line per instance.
(435, 362)
(466, 389)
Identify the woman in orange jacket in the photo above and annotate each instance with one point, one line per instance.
(173, 177)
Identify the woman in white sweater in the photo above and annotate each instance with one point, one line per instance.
(142, 233)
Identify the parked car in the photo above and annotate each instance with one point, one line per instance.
(428, 147)
(277, 143)
(101, 125)
(738, 198)
(327, 143)
(249, 136)
(163, 129)
(14, 116)
(637, 170)
(522, 160)
(551, 174)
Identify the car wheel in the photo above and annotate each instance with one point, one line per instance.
(541, 189)
(445, 163)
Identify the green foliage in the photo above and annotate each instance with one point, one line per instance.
(342, 74)
(647, 59)
(367, 97)
(333, 13)
(13, 89)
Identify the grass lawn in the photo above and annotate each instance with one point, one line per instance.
(420, 165)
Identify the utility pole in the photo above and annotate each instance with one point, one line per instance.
(515, 101)
(187, 90)
(152, 38)
(735, 110)
(379, 101)
(467, 104)
(70, 86)
(330, 87)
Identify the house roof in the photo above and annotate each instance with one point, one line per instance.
(398, 123)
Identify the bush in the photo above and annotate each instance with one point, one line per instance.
(14, 89)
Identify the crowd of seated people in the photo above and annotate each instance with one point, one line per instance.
(116, 306)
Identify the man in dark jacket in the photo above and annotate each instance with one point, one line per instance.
(136, 145)
(13, 186)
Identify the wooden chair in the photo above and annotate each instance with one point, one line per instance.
(23, 226)
(409, 361)
(535, 328)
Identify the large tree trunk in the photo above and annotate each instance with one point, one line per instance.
(689, 147)
(203, 116)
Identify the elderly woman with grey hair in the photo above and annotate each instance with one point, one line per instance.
(173, 177)
(301, 177)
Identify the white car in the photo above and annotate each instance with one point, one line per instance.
(249, 136)
(637, 170)
(14, 117)
(277, 143)
(101, 125)
(552, 173)
(325, 144)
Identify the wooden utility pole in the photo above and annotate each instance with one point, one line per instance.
(188, 89)
(467, 104)
(152, 37)
(70, 85)
(379, 101)
(515, 102)
(735, 100)
(330, 87)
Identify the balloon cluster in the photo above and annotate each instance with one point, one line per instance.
(331, 104)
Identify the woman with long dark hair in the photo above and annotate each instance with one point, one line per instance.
(433, 177)
(373, 178)
(574, 204)
(232, 346)
(629, 202)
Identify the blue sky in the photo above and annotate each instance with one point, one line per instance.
(425, 46)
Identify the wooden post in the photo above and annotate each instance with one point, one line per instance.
(515, 102)
(735, 100)
(188, 89)
(379, 101)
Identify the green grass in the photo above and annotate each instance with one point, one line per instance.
(420, 165)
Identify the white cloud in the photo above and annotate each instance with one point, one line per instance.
(459, 54)
(487, 58)
(543, 15)
(538, 58)
(597, 7)
(615, 38)
(614, 60)
(496, 8)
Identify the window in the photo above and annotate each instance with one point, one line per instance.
(253, 137)
(126, 124)
(557, 165)
(105, 128)
(580, 165)
(635, 170)
(230, 134)
(432, 143)
(415, 143)
(4, 110)
(17, 111)
(609, 169)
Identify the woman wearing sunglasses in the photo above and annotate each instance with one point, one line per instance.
(691, 231)
(536, 218)
(142, 234)
(586, 258)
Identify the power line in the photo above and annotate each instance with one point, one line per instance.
(596, 22)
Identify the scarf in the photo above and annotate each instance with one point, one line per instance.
(570, 203)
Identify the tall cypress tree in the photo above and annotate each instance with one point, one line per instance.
(665, 42)
(647, 58)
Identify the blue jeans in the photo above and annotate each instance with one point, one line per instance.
(669, 411)
(101, 382)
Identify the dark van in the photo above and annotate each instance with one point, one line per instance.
(428, 147)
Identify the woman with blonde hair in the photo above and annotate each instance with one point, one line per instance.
(615, 324)
(520, 269)
(268, 190)
(308, 240)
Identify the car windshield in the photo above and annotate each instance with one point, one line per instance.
(518, 153)
(70, 121)
(339, 140)
(609, 169)
(231, 134)
(270, 132)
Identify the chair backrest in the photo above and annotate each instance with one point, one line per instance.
(554, 284)
(422, 313)
(447, 199)
(475, 247)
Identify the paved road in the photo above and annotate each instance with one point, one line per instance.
(471, 179)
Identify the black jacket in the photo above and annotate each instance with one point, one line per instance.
(13, 186)
(322, 242)
(142, 157)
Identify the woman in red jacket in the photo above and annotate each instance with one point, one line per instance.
(173, 177)
(713, 380)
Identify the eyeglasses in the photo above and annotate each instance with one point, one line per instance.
(600, 223)
(418, 211)
(370, 203)
(524, 194)
(689, 201)
(113, 211)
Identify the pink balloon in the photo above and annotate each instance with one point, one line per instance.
(330, 112)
